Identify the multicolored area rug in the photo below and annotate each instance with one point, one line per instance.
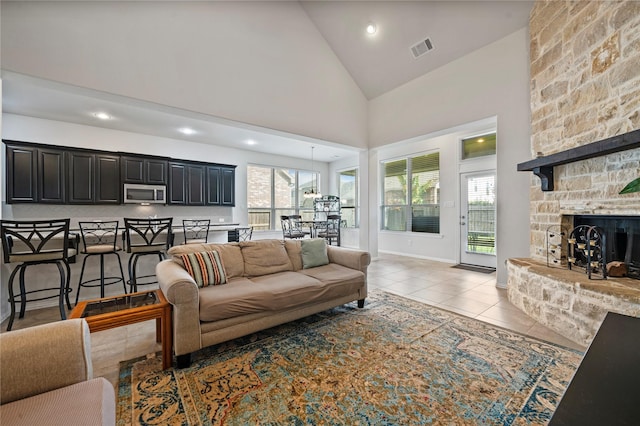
(396, 361)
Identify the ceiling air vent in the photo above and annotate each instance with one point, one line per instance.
(421, 48)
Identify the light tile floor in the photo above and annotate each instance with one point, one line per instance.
(472, 294)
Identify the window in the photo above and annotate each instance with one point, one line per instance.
(273, 192)
(479, 146)
(349, 200)
(414, 207)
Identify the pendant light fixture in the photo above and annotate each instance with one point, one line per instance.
(312, 193)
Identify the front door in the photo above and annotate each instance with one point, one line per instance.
(477, 218)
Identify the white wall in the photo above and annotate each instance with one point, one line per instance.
(262, 63)
(492, 81)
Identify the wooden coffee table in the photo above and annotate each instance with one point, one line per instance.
(116, 311)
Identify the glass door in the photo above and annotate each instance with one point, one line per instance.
(477, 219)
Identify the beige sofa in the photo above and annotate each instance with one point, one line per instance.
(46, 378)
(267, 285)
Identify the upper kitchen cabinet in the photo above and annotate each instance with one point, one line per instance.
(51, 176)
(221, 186)
(186, 184)
(143, 170)
(22, 174)
(177, 193)
(93, 178)
(201, 184)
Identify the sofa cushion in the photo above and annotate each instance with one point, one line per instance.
(273, 292)
(229, 253)
(294, 250)
(334, 273)
(314, 253)
(85, 403)
(264, 257)
(205, 267)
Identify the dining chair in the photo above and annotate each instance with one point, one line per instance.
(288, 230)
(145, 237)
(38, 242)
(331, 230)
(296, 226)
(100, 239)
(195, 230)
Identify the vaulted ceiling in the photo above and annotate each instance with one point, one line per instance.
(378, 63)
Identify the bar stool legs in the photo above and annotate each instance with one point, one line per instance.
(102, 279)
(22, 298)
(132, 267)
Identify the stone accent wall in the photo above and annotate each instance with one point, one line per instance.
(585, 86)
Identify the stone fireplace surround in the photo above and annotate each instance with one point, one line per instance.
(584, 88)
(564, 300)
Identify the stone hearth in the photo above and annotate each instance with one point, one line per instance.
(567, 301)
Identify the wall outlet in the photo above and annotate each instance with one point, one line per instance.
(221, 219)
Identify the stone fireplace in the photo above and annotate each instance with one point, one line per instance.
(585, 89)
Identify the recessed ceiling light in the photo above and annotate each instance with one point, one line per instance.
(102, 115)
(251, 142)
(371, 28)
(187, 131)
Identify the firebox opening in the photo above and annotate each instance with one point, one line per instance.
(623, 238)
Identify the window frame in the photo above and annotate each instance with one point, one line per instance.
(407, 208)
(276, 211)
(356, 196)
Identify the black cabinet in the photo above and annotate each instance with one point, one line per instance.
(51, 176)
(228, 187)
(213, 186)
(38, 173)
(177, 193)
(195, 185)
(142, 170)
(187, 184)
(93, 178)
(107, 179)
(22, 167)
(221, 186)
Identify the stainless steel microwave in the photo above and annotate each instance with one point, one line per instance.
(152, 194)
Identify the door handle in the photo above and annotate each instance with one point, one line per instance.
(462, 223)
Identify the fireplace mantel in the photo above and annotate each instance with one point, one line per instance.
(543, 166)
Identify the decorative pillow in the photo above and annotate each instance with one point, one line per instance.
(314, 253)
(205, 267)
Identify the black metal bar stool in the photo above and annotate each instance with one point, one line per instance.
(145, 237)
(100, 239)
(196, 230)
(37, 243)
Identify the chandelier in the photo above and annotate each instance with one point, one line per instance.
(312, 193)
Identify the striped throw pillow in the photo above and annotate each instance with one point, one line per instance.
(205, 267)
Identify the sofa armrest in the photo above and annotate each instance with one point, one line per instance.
(354, 259)
(182, 292)
(44, 358)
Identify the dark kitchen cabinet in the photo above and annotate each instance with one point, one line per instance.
(51, 176)
(177, 193)
(195, 185)
(213, 186)
(149, 171)
(93, 178)
(107, 179)
(228, 187)
(22, 174)
(187, 184)
(39, 173)
(220, 186)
